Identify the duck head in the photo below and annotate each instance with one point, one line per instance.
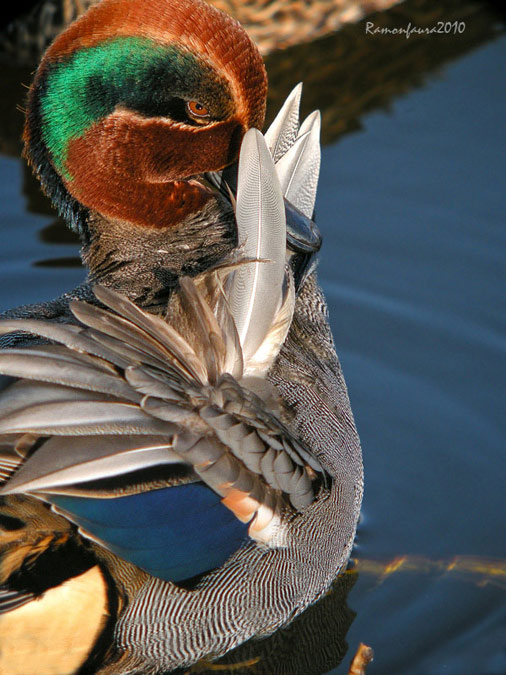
(130, 106)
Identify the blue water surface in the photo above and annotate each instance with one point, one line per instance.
(412, 210)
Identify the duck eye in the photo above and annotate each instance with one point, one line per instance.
(197, 111)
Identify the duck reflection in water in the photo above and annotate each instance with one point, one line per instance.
(185, 442)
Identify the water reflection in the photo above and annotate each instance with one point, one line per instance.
(349, 74)
(345, 75)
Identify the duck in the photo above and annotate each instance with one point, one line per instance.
(129, 106)
(277, 547)
(314, 642)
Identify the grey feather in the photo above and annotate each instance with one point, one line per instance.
(47, 366)
(124, 355)
(231, 436)
(168, 345)
(260, 362)
(66, 334)
(176, 385)
(53, 465)
(85, 417)
(234, 361)
(24, 393)
(158, 329)
(205, 326)
(151, 383)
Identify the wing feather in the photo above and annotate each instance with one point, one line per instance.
(46, 365)
(130, 392)
(299, 168)
(255, 289)
(66, 418)
(53, 465)
(283, 131)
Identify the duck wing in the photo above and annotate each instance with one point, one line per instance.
(114, 451)
(140, 435)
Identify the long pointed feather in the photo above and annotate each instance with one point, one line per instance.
(149, 383)
(128, 333)
(206, 327)
(155, 327)
(66, 334)
(25, 393)
(53, 465)
(104, 321)
(234, 362)
(309, 121)
(261, 361)
(282, 133)
(158, 334)
(126, 353)
(48, 366)
(255, 289)
(298, 170)
(79, 418)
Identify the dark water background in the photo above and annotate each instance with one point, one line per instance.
(411, 207)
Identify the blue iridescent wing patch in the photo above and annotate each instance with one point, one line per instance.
(174, 533)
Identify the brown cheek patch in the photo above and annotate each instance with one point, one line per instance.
(193, 23)
(132, 168)
(170, 150)
(156, 149)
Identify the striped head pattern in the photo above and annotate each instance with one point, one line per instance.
(135, 100)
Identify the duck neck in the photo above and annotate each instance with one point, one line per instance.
(144, 263)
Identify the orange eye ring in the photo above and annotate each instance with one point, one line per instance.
(197, 110)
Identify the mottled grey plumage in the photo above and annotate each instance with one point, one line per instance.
(147, 269)
(175, 387)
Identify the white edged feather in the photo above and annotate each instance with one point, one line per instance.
(261, 361)
(53, 466)
(255, 289)
(299, 168)
(283, 131)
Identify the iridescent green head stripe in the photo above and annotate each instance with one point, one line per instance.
(134, 72)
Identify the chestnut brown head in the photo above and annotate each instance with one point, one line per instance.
(134, 101)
